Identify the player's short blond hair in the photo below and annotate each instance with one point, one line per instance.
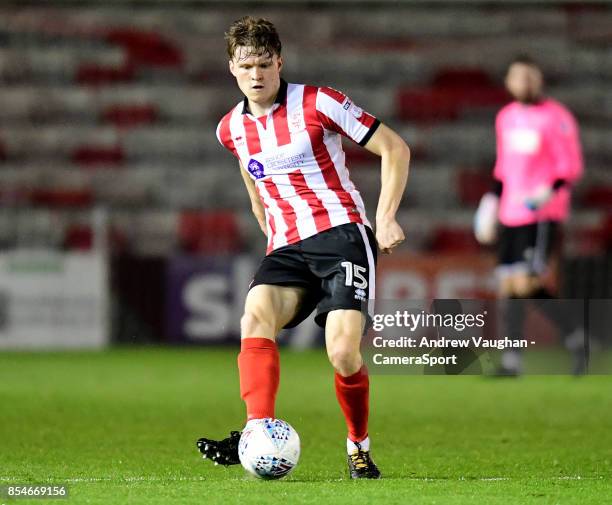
(259, 34)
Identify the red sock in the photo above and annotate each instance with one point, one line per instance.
(259, 369)
(353, 393)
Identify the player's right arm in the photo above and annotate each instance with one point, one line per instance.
(256, 205)
(225, 139)
(486, 216)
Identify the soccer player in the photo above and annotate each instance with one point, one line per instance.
(321, 250)
(538, 161)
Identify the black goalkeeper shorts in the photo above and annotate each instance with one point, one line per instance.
(528, 247)
(336, 266)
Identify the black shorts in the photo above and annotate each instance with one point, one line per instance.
(336, 266)
(528, 246)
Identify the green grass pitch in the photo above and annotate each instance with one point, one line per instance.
(119, 427)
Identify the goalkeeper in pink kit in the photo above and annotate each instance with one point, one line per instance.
(538, 161)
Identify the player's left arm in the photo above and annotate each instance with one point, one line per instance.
(338, 113)
(256, 205)
(395, 160)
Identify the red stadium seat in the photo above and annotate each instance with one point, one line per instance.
(62, 197)
(78, 237)
(417, 104)
(92, 74)
(599, 197)
(591, 240)
(98, 155)
(453, 240)
(142, 48)
(451, 92)
(214, 232)
(130, 116)
(472, 184)
(462, 78)
(146, 48)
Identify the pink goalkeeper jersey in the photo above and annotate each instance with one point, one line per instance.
(295, 157)
(536, 145)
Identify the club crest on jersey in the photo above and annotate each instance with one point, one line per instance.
(255, 168)
(296, 121)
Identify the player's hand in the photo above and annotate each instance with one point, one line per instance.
(389, 235)
(540, 197)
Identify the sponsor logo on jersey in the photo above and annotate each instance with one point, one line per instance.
(522, 140)
(284, 161)
(255, 168)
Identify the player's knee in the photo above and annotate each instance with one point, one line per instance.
(523, 286)
(256, 322)
(506, 287)
(345, 360)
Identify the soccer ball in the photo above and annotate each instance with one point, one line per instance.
(269, 448)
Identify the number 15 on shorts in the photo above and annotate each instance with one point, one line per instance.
(354, 275)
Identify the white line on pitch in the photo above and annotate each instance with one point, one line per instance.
(153, 478)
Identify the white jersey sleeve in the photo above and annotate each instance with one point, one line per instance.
(338, 113)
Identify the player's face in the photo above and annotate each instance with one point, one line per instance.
(524, 82)
(258, 76)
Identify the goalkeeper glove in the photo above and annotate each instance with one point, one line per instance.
(485, 219)
(539, 198)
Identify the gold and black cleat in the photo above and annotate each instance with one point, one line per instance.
(221, 452)
(361, 465)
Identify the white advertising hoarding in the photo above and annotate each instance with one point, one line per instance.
(53, 300)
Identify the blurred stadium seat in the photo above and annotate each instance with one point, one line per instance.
(451, 93)
(214, 232)
(453, 240)
(130, 116)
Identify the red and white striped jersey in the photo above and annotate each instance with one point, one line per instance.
(295, 156)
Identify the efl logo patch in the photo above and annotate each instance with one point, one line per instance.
(255, 168)
(356, 111)
(347, 104)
